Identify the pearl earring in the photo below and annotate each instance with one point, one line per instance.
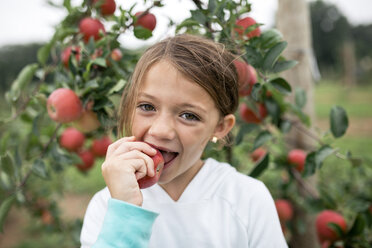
(214, 139)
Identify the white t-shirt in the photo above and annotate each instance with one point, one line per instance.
(219, 208)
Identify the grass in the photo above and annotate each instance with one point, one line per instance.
(356, 101)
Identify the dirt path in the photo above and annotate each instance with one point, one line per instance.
(72, 207)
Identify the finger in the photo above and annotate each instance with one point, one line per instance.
(135, 145)
(113, 146)
(135, 154)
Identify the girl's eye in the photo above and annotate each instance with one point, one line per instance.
(190, 117)
(146, 107)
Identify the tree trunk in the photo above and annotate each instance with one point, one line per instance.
(349, 63)
(293, 21)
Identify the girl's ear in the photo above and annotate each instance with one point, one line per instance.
(224, 126)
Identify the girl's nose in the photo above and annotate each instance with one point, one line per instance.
(162, 128)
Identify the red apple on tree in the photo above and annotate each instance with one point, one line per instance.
(243, 24)
(99, 146)
(90, 27)
(249, 116)
(116, 54)
(107, 7)
(87, 122)
(72, 139)
(87, 158)
(297, 157)
(246, 88)
(65, 56)
(147, 21)
(64, 105)
(284, 209)
(147, 181)
(258, 154)
(324, 231)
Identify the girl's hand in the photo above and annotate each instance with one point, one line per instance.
(127, 161)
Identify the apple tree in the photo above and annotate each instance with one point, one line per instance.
(64, 112)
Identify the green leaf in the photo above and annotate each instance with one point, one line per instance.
(273, 109)
(43, 53)
(322, 154)
(67, 5)
(270, 37)
(300, 98)
(256, 91)
(281, 85)
(272, 55)
(7, 164)
(280, 66)
(212, 5)
(198, 16)
(261, 139)
(337, 229)
(4, 209)
(142, 33)
(358, 226)
(260, 167)
(100, 62)
(310, 164)
(339, 121)
(39, 168)
(118, 87)
(187, 23)
(243, 130)
(253, 57)
(21, 82)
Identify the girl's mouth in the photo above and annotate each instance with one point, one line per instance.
(169, 157)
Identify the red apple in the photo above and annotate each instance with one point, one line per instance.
(72, 139)
(249, 116)
(65, 56)
(147, 181)
(87, 158)
(242, 70)
(107, 7)
(324, 231)
(116, 54)
(284, 209)
(258, 154)
(297, 157)
(243, 24)
(87, 122)
(64, 105)
(90, 27)
(46, 217)
(246, 88)
(99, 146)
(147, 21)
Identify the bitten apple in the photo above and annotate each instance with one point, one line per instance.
(147, 21)
(72, 139)
(64, 105)
(324, 231)
(284, 209)
(107, 7)
(90, 27)
(147, 181)
(87, 158)
(297, 157)
(243, 24)
(99, 146)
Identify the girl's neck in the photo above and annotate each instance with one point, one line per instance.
(177, 186)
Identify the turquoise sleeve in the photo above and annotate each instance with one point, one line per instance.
(125, 225)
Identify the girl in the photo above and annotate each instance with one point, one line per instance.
(183, 94)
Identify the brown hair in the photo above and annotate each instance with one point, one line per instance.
(203, 61)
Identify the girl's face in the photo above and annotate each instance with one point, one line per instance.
(178, 117)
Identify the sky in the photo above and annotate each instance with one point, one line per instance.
(25, 21)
